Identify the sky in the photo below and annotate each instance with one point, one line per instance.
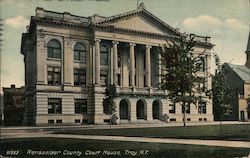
(225, 21)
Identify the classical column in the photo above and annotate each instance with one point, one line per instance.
(148, 66)
(159, 67)
(132, 64)
(115, 63)
(97, 61)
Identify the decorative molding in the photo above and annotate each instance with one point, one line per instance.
(48, 38)
(132, 44)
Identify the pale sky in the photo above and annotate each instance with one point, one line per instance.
(225, 21)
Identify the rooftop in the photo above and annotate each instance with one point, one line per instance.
(242, 71)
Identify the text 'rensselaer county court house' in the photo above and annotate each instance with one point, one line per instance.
(69, 61)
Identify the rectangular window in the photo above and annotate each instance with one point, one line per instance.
(144, 61)
(54, 75)
(172, 120)
(119, 79)
(81, 106)
(50, 121)
(201, 84)
(187, 109)
(104, 77)
(144, 81)
(135, 61)
(54, 106)
(119, 63)
(104, 58)
(77, 121)
(201, 64)
(54, 52)
(58, 121)
(135, 80)
(80, 55)
(172, 108)
(202, 109)
(129, 80)
(79, 77)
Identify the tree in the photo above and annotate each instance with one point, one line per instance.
(180, 68)
(109, 104)
(221, 92)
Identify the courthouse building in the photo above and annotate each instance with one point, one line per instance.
(70, 59)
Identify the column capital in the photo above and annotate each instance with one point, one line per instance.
(132, 44)
(115, 42)
(148, 46)
(97, 40)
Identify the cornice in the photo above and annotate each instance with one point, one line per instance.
(59, 22)
(142, 33)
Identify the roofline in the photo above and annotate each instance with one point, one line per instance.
(138, 11)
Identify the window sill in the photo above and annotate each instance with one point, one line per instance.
(79, 61)
(55, 59)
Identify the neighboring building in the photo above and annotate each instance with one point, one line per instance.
(1, 109)
(238, 77)
(70, 59)
(13, 105)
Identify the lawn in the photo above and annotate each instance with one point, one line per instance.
(156, 150)
(228, 132)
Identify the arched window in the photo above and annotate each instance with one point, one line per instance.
(80, 52)
(104, 55)
(54, 49)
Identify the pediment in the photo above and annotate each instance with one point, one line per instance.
(140, 21)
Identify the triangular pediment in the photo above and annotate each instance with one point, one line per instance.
(139, 20)
(137, 23)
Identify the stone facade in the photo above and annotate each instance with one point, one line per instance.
(69, 60)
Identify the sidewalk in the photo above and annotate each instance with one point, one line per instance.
(221, 143)
(91, 126)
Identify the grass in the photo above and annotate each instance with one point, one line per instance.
(228, 132)
(156, 150)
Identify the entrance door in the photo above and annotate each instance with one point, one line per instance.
(140, 112)
(242, 116)
(156, 110)
(123, 110)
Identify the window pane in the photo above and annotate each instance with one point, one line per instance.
(76, 55)
(79, 46)
(79, 76)
(104, 58)
(81, 106)
(57, 53)
(58, 108)
(80, 52)
(171, 108)
(50, 52)
(50, 109)
(54, 49)
(54, 44)
(77, 108)
(83, 56)
(103, 49)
